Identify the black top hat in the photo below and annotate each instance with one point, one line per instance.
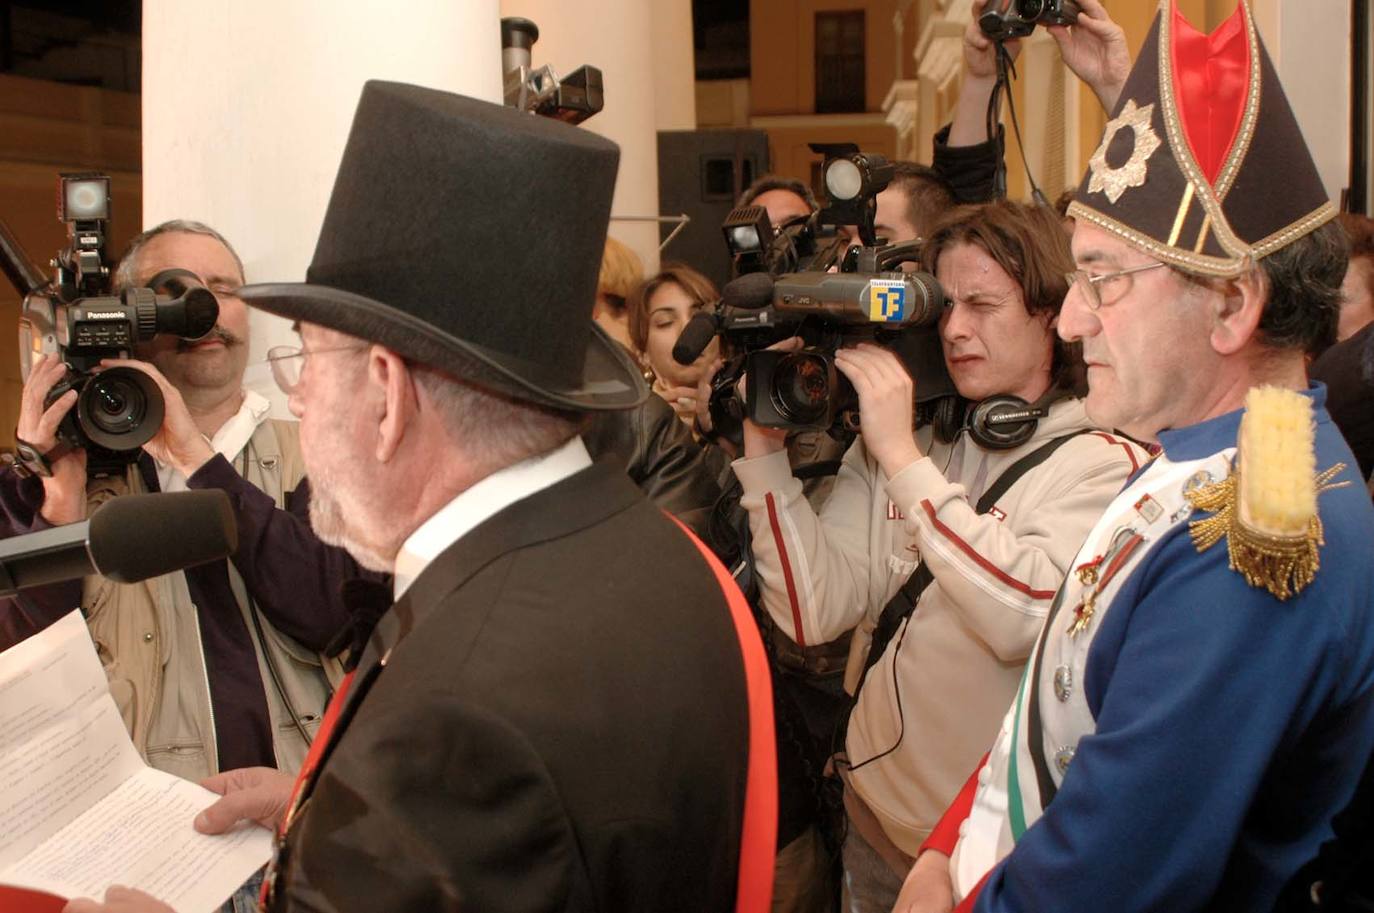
(468, 236)
(1203, 164)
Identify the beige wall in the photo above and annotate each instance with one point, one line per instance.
(722, 103)
(787, 142)
(675, 102)
(1310, 45)
(782, 52)
(782, 81)
(47, 128)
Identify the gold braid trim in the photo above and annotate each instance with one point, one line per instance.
(1283, 565)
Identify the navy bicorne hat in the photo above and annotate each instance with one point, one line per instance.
(1203, 164)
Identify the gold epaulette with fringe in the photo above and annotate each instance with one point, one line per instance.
(1266, 509)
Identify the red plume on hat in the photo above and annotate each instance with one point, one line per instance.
(1203, 164)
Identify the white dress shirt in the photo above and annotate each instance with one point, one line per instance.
(499, 490)
(228, 441)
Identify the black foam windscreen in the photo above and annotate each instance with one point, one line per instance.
(135, 537)
(750, 291)
(695, 337)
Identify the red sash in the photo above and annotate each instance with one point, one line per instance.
(312, 760)
(759, 834)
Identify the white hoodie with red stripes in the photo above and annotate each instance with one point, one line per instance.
(956, 663)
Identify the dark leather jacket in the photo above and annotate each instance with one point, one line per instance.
(659, 455)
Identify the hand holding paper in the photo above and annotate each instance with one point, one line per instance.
(79, 811)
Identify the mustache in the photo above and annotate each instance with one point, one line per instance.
(216, 334)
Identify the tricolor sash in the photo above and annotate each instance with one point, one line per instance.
(1050, 713)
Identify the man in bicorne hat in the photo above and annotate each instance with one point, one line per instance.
(566, 706)
(1201, 700)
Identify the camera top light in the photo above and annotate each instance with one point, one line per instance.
(747, 230)
(744, 238)
(843, 179)
(85, 197)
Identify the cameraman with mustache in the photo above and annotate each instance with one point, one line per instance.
(223, 665)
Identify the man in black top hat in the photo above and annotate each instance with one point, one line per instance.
(565, 707)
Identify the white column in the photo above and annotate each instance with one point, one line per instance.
(1310, 45)
(939, 62)
(903, 108)
(246, 107)
(675, 74)
(618, 37)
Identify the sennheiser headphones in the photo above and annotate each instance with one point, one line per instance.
(1002, 422)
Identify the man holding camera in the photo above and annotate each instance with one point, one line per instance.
(219, 666)
(784, 199)
(975, 530)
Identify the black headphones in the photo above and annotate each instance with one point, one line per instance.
(1002, 422)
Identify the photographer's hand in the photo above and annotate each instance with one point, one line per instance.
(682, 399)
(969, 127)
(1096, 50)
(703, 424)
(886, 404)
(64, 492)
(178, 442)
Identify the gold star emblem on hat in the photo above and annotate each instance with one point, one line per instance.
(1116, 181)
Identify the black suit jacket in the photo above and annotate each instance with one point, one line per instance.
(553, 717)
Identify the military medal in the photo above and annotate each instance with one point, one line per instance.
(1087, 571)
(1149, 508)
(1084, 613)
(1087, 575)
(1097, 573)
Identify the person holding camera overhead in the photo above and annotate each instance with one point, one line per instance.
(222, 665)
(972, 523)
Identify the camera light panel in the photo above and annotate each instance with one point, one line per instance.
(744, 238)
(85, 198)
(843, 179)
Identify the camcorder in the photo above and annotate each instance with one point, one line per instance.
(805, 279)
(77, 316)
(1004, 20)
(572, 98)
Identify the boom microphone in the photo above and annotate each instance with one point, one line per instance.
(127, 539)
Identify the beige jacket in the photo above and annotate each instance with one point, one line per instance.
(149, 641)
(959, 657)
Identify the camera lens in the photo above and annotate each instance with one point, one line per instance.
(1030, 9)
(801, 388)
(119, 406)
(120, 409)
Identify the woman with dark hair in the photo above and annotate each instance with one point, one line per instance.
(658, 310)
(970, 528)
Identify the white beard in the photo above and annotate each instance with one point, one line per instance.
(327, 520)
